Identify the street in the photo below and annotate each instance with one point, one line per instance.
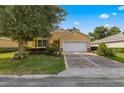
(61, 82)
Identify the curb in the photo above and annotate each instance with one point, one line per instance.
(27, 76)
(94, 77)
(65, 61)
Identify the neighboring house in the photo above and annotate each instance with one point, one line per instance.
(66, 40)
(7, 43)
(114, 41)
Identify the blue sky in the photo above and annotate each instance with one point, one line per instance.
(87, 17)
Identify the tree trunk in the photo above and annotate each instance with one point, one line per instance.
(20, 48)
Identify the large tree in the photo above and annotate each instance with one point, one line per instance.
(99, 32)
(114, 30)
(102, 31)
(72, 29)
(23, 23)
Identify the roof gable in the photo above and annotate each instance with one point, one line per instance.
(74, 32)
(58, 33)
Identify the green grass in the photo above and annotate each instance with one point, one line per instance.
(6, 55)
(33, 64)
(119, 57)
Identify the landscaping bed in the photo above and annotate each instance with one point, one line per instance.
(33, 64)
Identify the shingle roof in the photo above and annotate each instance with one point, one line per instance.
(73, 32)
(113, 38)
(58, 33)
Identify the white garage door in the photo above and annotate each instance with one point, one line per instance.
(74, 46)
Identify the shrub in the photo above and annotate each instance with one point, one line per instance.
(110, 53)
(52, 50)
(5, 50)
(35, 50)
(103, 50)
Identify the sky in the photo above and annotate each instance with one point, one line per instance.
(88, 17)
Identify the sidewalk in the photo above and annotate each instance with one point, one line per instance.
(93, 73)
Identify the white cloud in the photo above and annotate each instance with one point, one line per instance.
(108, 25)
(114, 14)
(104, 16)
(121, 8)
(76, 23)
(65, 28)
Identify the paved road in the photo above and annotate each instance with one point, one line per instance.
(62, 82)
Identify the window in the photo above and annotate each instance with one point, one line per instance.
(41, 43)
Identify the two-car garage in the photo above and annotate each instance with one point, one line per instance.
(71, 46)
(75, 42)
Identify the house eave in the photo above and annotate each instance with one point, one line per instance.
(107, 42)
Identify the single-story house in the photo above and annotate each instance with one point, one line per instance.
(66, 40)
(6, 42)
(114, 41)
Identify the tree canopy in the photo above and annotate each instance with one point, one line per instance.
(72, 29)
(27, 22)
(23, 23)
(102, 31)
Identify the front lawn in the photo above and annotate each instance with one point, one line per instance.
(33, 64)
(6, 55)
(119, 57)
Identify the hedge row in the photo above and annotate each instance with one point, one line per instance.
(35, 50)
(118, 50)
(52, 50)
(5, 50)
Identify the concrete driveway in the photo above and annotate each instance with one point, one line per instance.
(91, 65)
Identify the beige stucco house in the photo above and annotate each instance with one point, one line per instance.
(66, 40)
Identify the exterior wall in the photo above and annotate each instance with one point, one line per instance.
(66, 36)
(75, 36)
(55, 35)
(31, 44)
(116, 45)
(8, 43)
(113, 45)
(34, 43)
